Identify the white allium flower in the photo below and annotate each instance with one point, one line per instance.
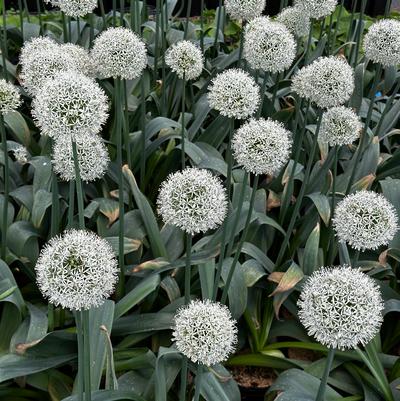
(317, 8)
(382, 42)
(77, 270)
(268, 45)
(328, 82)
(81, 58)
(244, 9)
(119, 53)
(92, 154)
(341, 307)
(10, 98)
(262, 146)
(365, 220)
(74, 8)
(234, 93)
(193, 200)
(21, 154)
(340, 126)
(41, 59)
(185, 59)
(205, 332)
(296, 20)
(70, 104)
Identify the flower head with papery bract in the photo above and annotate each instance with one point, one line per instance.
(10, 98)
(382, 42)
(262, 146)
(70, 104)
(340, 126)
(234, 93)
(77, 270)
(193, 200)
(119, 53)
(21, 154)
(244, 9)
(205, 332)
(92, 154)
(317, 8)
(341, 307)
(74, 8)
(42, 59)
(327, 82)
(268, 45)
(365, 220)
(296, 21)
(185, 59)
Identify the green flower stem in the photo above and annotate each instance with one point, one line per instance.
(78, 28)
(330, 29)
(276, 81)
(143, 136)
(164, 21)
(183, 156)
(81, 360)
(156, 40)
(364, 134)
(238, 213)
(307, 49)
(91, 29)
(300, 197)
(324, 379)
(103, 14)
(118, 134)
(218, 22)
(69, 29)
(341, 7)
(188, 12)
(184, 374)
(122, 7)
(86, 354)
(263, 90)
(241, 242)
(225, 223)
(375, 368)
(79, 192)
(64, 25)
(241, 43)
(344, 254)
(114, 13)
(27, 10)
(199, 372)
(388, 7)
(355, 50)
(350, 29)
(4, 50)
(21, 16)
(6, 171)
(202, 26)
(126, 124)
(39, 10)
(188, 267)
(55, 205)
(71, 205)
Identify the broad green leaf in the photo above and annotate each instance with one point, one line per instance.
(321, 202)
(310, 256)
(110, 395)
(143, 323)
(18, 127)
(22, 240)
(130, 245)
(391, 190)
(42, 199)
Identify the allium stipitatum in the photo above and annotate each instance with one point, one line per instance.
(244, 9)
(382, 42)
(317, 8)
(341, 307)
(74, 8)
(327, 82)
(234, 93)
(340, 126)
(205, 332)
(70, 104)
(296, 20)
(268, 45)
(92, 154)
(365, 220)
(193, 200)
(262, 146)
(185, 59)
(10, 98)
(77, 270)
(119, 53)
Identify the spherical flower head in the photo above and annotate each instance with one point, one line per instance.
(74, 8)
(244, 9)
(341, 307)
(382, 42)
(92, 155)
(317, 8)
(81, 58)
(262, 146)
(327, 82)
(77, 270)
(42, 59)
(234, 93)
(268, 45)
(340, 126)
(119, 53)
(10, 98)
(70, 104)
(205, 332)
(365, 220)
(296, 20)
(193, 200)
(185, 59)
(21, 154)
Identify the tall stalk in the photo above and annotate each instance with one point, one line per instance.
(188, 12)
(341, 7)
(354, 56)
(202, 26)
(4, 50)
(78, 183)
(156, 39)
(39, 10)
(21, 16)
(6, 176)
(324, 380)
(143, 136)
(163, 22)
(218, 22)
(183, 156)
